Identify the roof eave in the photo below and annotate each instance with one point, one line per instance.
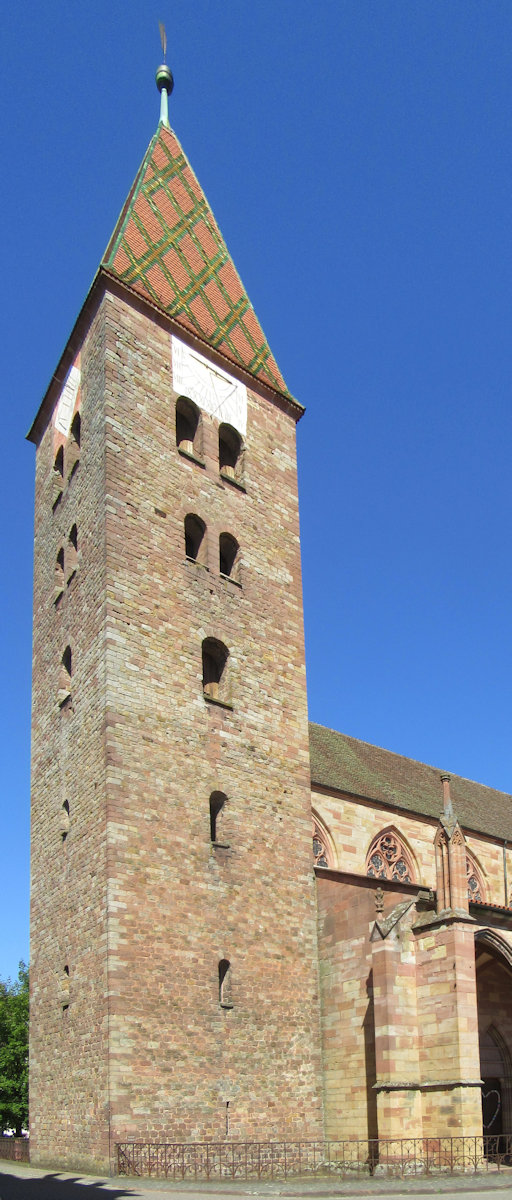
(66, 359)
(105, 277)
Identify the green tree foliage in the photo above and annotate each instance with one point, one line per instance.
(14, 1052)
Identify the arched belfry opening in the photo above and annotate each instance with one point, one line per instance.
(494, 982)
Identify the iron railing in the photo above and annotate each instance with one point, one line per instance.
(14, 1148)
(285, 1160)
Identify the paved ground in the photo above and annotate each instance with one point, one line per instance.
(20, 1182)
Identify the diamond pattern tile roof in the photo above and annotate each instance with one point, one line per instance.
(167, 246)
(343, 764)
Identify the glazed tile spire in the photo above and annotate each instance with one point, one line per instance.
(167, 247)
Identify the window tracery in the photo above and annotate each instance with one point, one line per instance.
(320, 848)
(475, 885)
(388, 859)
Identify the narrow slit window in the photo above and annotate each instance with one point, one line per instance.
(59, 574)
(58, 466)
(73, 448)
(64, 989)
(195, 541)
(188, 427)
(225, 984)
(229, 553)
(72, 552)
(64, 820)
(215, 660)
(230, 453)
(217, 813)
(65, 676)
(58, 475)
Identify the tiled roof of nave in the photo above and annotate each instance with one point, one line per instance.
(343, 764)
(167, 246)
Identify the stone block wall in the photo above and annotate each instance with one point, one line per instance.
(183, 1066)
(134, 908)
(399, 1014)
(68, 959)
(346, 915)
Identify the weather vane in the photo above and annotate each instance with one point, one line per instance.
(163, 38)
(164, 80)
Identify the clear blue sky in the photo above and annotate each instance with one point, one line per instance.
(357, 156)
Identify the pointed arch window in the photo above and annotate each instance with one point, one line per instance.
(388, 858)
(476, 889)
(321, 851)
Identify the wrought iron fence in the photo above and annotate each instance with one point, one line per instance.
(14, 1148)
(285, 1160)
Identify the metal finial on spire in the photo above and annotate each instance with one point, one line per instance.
(164, 80)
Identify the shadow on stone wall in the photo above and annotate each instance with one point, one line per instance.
(369, 1056)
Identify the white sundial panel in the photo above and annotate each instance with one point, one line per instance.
(66, 405)
(211, 388)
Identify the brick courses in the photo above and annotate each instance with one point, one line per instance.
(136, 900)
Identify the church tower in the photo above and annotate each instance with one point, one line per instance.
(173, 939)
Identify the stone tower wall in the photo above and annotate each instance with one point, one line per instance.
(182, 1066)
(68, 1032)
(135, 900)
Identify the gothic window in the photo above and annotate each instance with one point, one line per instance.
(320, 848)
(225, 1000)
(388, 859)
(475, 884)
(215, 672)
(229, 556)
(195, 543)
(188, 427)
(230, 453)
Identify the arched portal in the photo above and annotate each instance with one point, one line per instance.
(494, 991)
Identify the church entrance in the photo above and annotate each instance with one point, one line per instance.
(492, 1069)
(495, 1038)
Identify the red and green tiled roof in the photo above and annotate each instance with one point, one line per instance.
(167, 247)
